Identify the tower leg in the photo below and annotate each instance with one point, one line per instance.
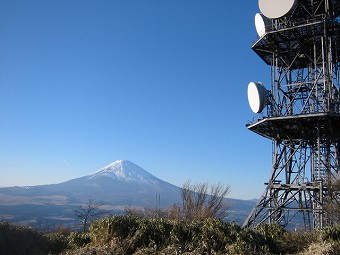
(290, 194)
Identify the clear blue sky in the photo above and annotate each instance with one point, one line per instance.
(161, 83)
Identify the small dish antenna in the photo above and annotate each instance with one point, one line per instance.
(262, 24)
(257, 96)
(275, 9)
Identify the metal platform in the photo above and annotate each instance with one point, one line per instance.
(299, 127)
(291, 46)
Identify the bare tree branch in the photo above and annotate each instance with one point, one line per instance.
(88, 212)
(202, 200)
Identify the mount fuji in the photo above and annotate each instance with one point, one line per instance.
(115, 186)
(120, 183)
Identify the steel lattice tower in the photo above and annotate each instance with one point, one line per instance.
(301, 113)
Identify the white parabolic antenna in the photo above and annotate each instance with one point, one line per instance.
(275, 9)
(262, 24)
(257, 96)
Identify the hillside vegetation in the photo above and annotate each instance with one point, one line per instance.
(118, 235)
(193, 228)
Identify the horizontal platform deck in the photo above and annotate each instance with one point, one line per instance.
(299, 127)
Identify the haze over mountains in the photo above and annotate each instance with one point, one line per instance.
(117, 185)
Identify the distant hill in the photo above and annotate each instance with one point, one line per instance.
(117, 185)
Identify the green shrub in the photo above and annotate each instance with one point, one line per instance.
(22, 240)
(331, 233)
(214, 235)
(271, 237)
(295, 242)
(78, 239)
(129, 235)
(151, 233)
(58, 241)
(132, 235)
(185, 235)
(109, 229)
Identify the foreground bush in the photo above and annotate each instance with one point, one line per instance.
(23, 240)
(133, 235)
(127, 235)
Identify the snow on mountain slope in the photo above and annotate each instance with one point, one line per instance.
(125, 170)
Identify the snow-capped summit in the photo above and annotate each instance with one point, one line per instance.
(125, 170)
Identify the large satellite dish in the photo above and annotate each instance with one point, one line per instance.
(257, 96)
(262, 24)
(275, 9)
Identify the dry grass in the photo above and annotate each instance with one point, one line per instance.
(320, 248)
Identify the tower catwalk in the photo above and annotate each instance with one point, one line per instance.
(300, 40)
